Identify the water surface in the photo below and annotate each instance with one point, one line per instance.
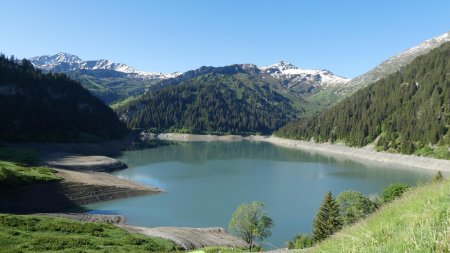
(207, 181)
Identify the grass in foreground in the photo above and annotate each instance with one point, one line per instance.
(14, 176)
(20, 233)
(417, 222)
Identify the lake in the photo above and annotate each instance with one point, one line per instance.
(207, 181)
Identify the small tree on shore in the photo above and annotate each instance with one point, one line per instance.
(327, 220)
(250, 222)
(393, 191)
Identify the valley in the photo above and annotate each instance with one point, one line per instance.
(175, 127)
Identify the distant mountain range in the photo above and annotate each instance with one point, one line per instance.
(64, 62)
(239, 98)
(116, 81)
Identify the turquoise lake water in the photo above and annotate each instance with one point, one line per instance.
(207, 181)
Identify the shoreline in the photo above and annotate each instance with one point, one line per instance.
(364, 153)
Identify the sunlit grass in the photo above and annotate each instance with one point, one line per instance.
(417, 222)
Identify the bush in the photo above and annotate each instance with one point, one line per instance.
(438, 177)
(354, 206)
(301, 241)
(393, 191)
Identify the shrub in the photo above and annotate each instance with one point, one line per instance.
(354, 206)
(301, 241)
(438, 177)
(393, 191)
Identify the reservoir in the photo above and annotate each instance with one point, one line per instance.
(206, 181)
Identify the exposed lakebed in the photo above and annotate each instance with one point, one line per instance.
(207, 181)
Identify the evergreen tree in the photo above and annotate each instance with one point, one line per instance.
(327, 220)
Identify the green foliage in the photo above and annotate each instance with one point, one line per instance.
(211, 104)
(50, 107)
(393, 191)
(354, 206)
(417, 222)
(327, 220)
(438, 177)
(301, 241)
(14, 176)
(409, 110)
(250, 222)
(39, 233)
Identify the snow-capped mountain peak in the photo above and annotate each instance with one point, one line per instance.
(64, 62)
(287, 71)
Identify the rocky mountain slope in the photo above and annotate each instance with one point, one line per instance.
(395, 63)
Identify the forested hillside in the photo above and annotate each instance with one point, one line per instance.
(212, 103)
(50, 107)
(409, 111)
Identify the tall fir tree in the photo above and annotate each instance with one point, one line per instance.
(327, 220)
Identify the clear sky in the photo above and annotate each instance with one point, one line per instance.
(346, 37)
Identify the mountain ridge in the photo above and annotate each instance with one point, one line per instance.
(397, 61)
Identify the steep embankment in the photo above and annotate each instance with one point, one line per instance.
(407, 112)
(76, 188)
(418, 222)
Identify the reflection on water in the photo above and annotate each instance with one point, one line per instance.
(206, 181)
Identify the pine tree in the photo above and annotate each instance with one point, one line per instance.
(327, 220)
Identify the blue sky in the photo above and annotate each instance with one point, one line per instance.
(346, 37)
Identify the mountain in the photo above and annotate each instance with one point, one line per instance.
(297, 79)
(113, 82)
(235, 99)
(64, 62)
(50, 107)
(107, 80)
(395, 63)
(214, 103)
(283, 74)
(407, 111)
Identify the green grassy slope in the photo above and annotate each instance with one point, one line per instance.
(13, 175)
(45, 234)
(418, 222)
